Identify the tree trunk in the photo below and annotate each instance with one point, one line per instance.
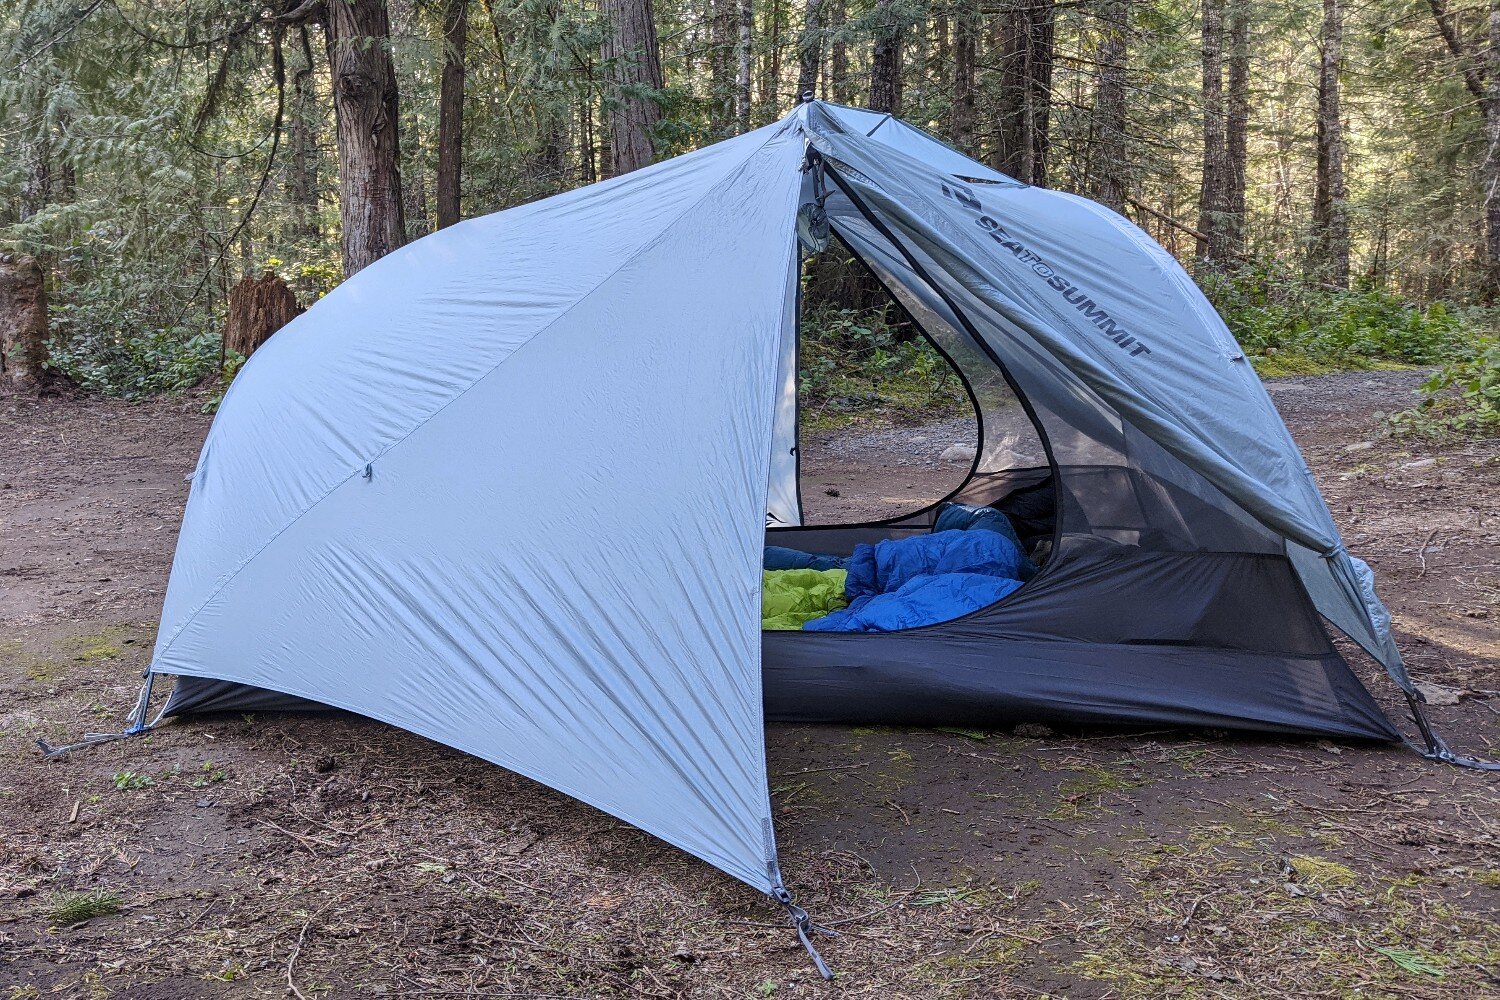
(1236, 126)
(885, 60)
(23, 324)
(451, 112)
(1111, 173)
(1025, 62)
(1492, 160)
(633, 61)
(303, 178)
(810, 50)
(1330, 244)
(1214, 189)
(724, 16)
(838, 58)
(258, 307)
(36, 189)
(770, 69)
(1481, 76)
(965, 48)
(746, 25)
(367, 109)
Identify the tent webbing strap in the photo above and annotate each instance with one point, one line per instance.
(805, 928)
(1436, 747)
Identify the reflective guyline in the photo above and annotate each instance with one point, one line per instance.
(1071, 293)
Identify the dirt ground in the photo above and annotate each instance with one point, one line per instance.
(308, 856)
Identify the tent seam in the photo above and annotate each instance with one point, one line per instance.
(644, 249)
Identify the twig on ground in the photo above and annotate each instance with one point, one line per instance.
(291, 984)
(1422, 553)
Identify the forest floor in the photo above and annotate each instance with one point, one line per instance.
(332, 856)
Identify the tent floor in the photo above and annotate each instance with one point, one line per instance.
(950, 681)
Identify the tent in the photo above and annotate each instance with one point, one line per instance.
(509, 487)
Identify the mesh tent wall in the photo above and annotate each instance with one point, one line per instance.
(508, 487)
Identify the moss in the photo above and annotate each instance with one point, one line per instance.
(36, 668)
(1490, 879)
(1080, 795)
(1321, 872)
(104, 645)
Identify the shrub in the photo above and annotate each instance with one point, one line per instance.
(113, 353)
(1288, 326)
(1462, 397)
(857, 364)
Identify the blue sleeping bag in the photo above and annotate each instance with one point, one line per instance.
(925, 579)
(781, 557)
(967, 517)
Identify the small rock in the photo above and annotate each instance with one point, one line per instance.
(1032, 731)
(1421, 463)
(203, 803)
(957, 453)
(831, 493)
(1361, 446)
(1436, 694)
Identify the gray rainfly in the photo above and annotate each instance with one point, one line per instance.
(510, 488)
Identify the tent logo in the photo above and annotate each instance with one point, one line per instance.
(1071, 293)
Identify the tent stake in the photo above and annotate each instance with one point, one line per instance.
(805, 928)
(137, 725)
(1437, 748)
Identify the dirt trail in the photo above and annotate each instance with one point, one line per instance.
(334, 856)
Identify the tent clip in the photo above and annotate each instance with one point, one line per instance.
(137, 726)
(805, 928)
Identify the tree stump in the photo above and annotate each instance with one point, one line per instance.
(23, 324)
(258, 307)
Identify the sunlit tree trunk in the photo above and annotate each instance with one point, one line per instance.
(1329, 256)
(366, 106)
(451, 112)
(634, 67)
(1110, 171)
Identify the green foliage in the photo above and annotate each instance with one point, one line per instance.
(1287, 326)
(1412, 961)
(857, 364)
(1462, 397)
(72, 907)
(209, 774)
(132, 781)
(136, 364)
